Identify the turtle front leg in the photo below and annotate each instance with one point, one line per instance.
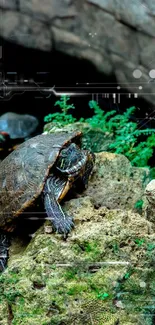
(4, 246)
(53, 191)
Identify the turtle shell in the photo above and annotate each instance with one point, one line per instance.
(24, 171)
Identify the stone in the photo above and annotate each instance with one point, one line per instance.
(49, 9)
(115, 183)
(72, 281)
(8, 4)
(115, 40)
(18, 125)
(149, 202)
(24, 30)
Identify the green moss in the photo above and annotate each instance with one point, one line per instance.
(150, 247)
(115, 248)
(139, 241)
(91, 250)
(71, 274)
(77, 288)
(65, 282)
(139, 204)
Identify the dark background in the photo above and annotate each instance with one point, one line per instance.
(61, 70)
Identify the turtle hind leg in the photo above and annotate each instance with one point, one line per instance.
(4, 246)
(61, 222)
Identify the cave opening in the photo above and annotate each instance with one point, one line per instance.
(59, 70)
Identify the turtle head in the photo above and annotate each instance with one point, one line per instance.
(74, 161)
(71, 159)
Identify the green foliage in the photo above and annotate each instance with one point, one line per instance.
(125, 133)
(150, 246)
(71, 274)
(127, 275)
(152, 173)
(139, 204)
(103, 296)
(99, 119)
(139, 241)
(115, 248)
(61, 118)
(8, 291)
(126, 143)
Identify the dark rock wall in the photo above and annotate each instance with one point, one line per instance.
(116, 36)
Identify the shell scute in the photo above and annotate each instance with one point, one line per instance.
(24, 172)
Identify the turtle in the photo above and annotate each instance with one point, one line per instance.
(46, 166)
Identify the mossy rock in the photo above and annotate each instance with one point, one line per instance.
(93, 138)
(103, 273)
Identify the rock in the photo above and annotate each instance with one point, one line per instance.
(95, 276)
(115, 183)
(24, 30)
(18, 125)
(149, 202)
(50, 9)
(8, 4)
(117, 41)
(84, 277)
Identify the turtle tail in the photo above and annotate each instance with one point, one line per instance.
(4, 246)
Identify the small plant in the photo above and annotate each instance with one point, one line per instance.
(127, 275)
(126, 143)
(115, 248)
(150, 246)
(139, 242)
(138, 204)
(71, 274)
(125, 133)
(100, 119)
(103, 296)
(61, 118)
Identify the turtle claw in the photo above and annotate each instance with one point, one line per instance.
(64, 226)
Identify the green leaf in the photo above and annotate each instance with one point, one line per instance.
(103, 296)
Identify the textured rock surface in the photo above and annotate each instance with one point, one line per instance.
(148, 210)
(114, 39)
(115, 183)
(102, 274)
